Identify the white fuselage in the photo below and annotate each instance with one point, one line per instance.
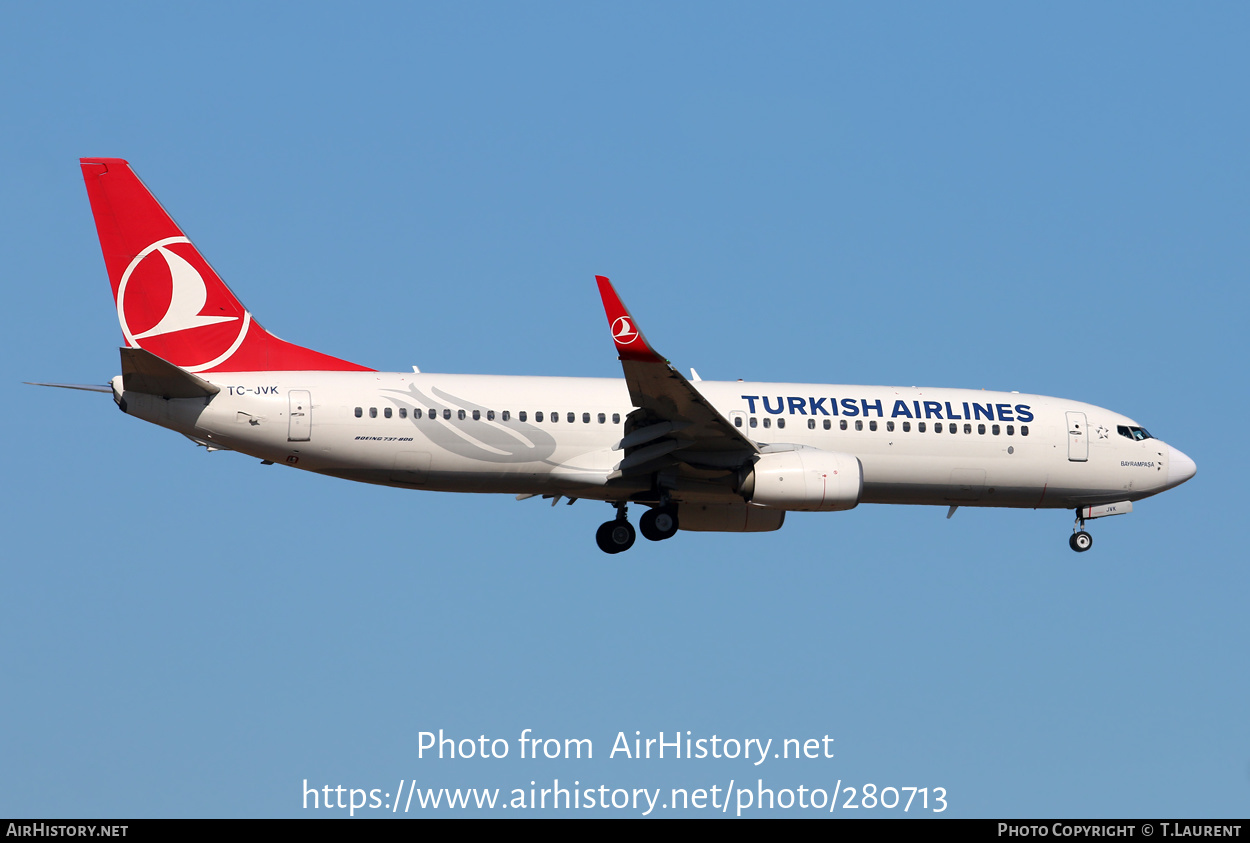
(537, 435)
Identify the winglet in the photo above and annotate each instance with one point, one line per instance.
(630, 343)
(668, 404)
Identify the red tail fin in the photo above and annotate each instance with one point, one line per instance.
(169, 300)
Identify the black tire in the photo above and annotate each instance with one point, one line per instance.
(615, 536)
(658, 524)
(1081, 542)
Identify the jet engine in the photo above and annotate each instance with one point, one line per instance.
(804, 480)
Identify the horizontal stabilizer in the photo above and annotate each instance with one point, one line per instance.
(85, 387)
(143, 371)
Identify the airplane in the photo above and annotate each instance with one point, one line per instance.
(696, 455)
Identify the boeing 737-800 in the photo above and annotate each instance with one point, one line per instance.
(697, 455)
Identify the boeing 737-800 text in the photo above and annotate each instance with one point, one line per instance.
(701, 455)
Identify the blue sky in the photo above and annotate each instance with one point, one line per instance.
(1048, 199)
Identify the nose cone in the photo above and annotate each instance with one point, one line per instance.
(1180, 467)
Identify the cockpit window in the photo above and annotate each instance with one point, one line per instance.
(1138, 434)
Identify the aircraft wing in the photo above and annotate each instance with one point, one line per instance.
(674, 423)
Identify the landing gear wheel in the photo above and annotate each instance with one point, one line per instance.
(658, 524)
(615, 536)
(1081, 542)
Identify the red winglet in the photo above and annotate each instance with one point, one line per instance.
(630, 343)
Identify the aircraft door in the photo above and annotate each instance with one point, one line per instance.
(300, 428)
(1078, 440)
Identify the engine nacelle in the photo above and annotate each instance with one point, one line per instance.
(804, 480)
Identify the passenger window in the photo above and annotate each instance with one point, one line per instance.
(920, 426)
(1011, 430)
(386, 412)
(403, 412)
(490, 415)
(828, 424)
(460, 415)
(841, 424)
(981, 429)
(433, 413)
(506, 415)
(937, 427)
(416, 412)
(538, 416)
(889, 426)
(555, 417)
(781, 422)
(907, 427)
(447, 414)
(737, 421)
(373, 412)
(872, 425)
(811, 424)
(753, 421)
(585, 418)
(995, 429)
(572, 417)
(768, 422)
(616, 418)
(477, 415)
(1024, 430)
(359, 412)
(968, 428)
(523, 416)
(954, 428)
(859, 424)
(603, 418)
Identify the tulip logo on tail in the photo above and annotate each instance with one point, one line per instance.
(623, 331)
(158, 269)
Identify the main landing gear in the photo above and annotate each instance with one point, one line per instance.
(659, 524)
(1081, 541)
(618, 535)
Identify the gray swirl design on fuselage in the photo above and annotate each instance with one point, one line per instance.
(512, 441)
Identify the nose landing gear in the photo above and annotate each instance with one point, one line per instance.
(1081, 541)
